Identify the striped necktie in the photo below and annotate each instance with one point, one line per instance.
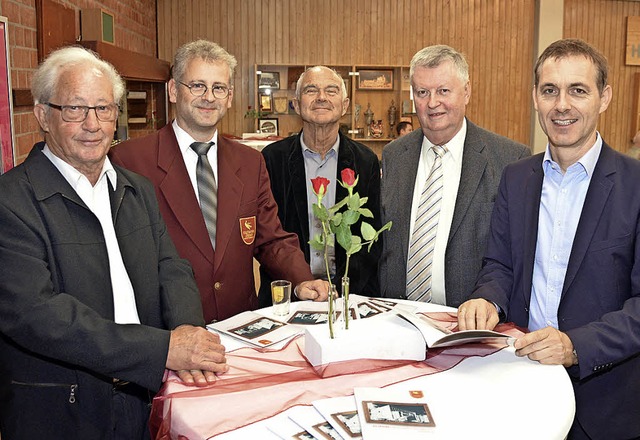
(207, 188)
(419, 263)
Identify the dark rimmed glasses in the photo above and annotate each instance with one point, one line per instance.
(199, 89)
(78, 113)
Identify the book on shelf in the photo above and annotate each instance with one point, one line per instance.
(135, 120)
(136, 94)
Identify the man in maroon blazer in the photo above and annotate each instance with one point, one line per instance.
(247, 223)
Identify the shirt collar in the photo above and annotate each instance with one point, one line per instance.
(455, 146)
(73, 176)
(305, 148)
(588, 161)
(185, 139)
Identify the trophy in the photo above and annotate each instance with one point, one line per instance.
(368, 119)
(393, 119)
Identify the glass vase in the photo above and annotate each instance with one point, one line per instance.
(331, 315)
(345, 301)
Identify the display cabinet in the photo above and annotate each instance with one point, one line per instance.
(380, 97)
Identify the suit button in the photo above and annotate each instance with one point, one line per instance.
(217, 285)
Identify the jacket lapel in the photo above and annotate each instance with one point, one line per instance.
(230, 189)
(298, 192)
(411, 157)
(594, 203)
(179, 193)
(473, 165)
(532, 193)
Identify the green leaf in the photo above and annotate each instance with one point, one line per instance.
(340, 204)
(354, 202)
(368, 232)
(385, 227)
(320, 212)
(363, 200)
(343, 235)
(350, 217)
(330, 241)
(356, 245)
(337, 219)
(365, 212)
(317, 243)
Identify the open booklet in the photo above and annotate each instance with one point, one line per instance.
(437, 336)
(255, 329)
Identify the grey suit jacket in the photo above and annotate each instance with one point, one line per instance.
(485, 155)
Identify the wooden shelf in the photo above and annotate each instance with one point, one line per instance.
(379, 100)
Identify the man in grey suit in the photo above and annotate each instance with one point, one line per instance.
(469, 160)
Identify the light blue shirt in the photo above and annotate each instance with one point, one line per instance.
(560, 210)
(316, 166)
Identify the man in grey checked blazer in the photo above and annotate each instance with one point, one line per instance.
(441, 88)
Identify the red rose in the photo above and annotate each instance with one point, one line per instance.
(348, 176)
(320, 185)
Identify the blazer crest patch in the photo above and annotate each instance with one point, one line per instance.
(248, 229)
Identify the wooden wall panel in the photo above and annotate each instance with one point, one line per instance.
(495, 35)
(603, 24)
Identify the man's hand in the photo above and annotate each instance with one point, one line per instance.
(548, 346)
(196, 377)
(477, 314)
(315, 290)
(196, 354)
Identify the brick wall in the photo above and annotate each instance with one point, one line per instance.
(135, 30)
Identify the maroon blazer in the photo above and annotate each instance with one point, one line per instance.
(247, 226)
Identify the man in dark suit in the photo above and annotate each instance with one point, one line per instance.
(95, 301)
(564, 255)
(321, 150)
(470, 170)
(246, 223)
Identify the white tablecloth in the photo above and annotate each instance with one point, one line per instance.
(500, 396)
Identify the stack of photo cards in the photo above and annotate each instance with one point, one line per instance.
(386, 413)
(285, 428)
(313, 422)
(342, 414)
(255, 329)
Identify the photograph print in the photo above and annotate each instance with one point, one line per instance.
(256, 328)
(303, 317)
(394, 413)
(349, 422)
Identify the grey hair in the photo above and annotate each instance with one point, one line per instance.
(343, 87)
(204, 49)
(45, 79)
(433, 56)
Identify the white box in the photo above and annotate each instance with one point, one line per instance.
(385, 336)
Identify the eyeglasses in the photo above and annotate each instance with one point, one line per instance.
(200, 89)
(78, 113)
(330, 91)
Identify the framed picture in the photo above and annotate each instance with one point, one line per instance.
(375, 79)
(269, 80)
(266, 103)
(268, 125)
(7, 143)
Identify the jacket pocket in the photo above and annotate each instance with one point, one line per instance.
(71, 387)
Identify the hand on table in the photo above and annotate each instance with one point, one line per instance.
(548, 346)
(315, 290)
(477, 314)
(196, 355)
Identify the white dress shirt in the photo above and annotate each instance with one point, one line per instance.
(190, 157)
(451, 170)
(97, 199)
(561, 202)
